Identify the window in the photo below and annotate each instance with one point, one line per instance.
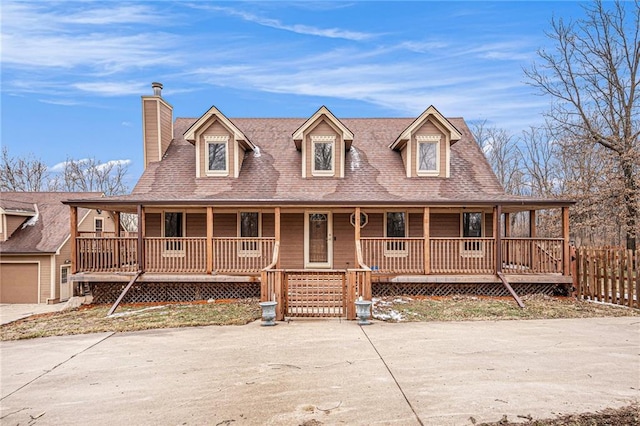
(98, 225)
(323, 151)
(428, 158)
(395, 227)
(249, 227)
(472, 228)
(64, 274)
(364, 219)
(217, 154)
(173, 228)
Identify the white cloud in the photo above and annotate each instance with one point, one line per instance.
(61, 102)
(296, 28)
(114, 88)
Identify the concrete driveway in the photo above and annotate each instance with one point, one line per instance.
(10, 312)
(324, 372)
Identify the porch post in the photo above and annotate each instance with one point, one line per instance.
(356, 225)
(277, 232)
(141, 233)
(532, 224)
(566, 253)
(497, 212)
(532, 234)
(116, 246)
(74, 235)
(209, 239)
(507, 225)
(426, 234)
(506, 255)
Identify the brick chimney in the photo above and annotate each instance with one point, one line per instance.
(157, 125)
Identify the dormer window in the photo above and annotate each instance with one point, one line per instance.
(428, 158)
(323, 148)
(217, 148)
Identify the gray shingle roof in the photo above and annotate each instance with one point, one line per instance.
(373, 172)
(50, 229)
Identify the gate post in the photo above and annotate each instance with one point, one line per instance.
(280, 283)
(351, 295)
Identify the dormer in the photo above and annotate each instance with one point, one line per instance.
(220, 145)
(12, 218)
(425, 145)
(323, 141)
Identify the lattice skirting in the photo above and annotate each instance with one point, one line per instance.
(380, 289)
(172, 292)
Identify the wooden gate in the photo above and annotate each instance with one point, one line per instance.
(315, 293)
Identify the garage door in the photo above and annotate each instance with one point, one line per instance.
(19, 283)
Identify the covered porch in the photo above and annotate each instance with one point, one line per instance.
(317, 244)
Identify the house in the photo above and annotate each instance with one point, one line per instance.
(313, 212)
(35, 246)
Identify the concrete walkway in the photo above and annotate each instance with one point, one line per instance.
(324, 372)
(10, 312)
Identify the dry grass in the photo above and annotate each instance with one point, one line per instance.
(625, 416)
(476, 308)
(93, 318)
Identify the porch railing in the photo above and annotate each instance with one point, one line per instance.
(532, 256)
(393, 255)
(380, 255)
(173, 255)
(242, 255)
(463, 255)
(107, 254)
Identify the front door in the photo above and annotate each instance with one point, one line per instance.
(318, 248)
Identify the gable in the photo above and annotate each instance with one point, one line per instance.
(430, 114)
(425, 145)
(206, 119)
(323, 114)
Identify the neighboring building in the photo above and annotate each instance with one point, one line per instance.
(223, 198)
(35, 247)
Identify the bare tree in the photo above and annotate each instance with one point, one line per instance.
(539, 151)
(501, 150)
(89, 175)
(22, 174)
(592, 75)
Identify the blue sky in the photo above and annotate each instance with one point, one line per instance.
(73, 72)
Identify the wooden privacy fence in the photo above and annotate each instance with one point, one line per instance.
(321, 293)
(608, 275)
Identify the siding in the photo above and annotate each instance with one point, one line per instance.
(150, 120)
(196, 225)
(292, 241)
(166, 127)
(269, 224)
(225, 225)
(153, 225)
(13, 223)
(88, 225)
(344, 246)
(445, 225)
